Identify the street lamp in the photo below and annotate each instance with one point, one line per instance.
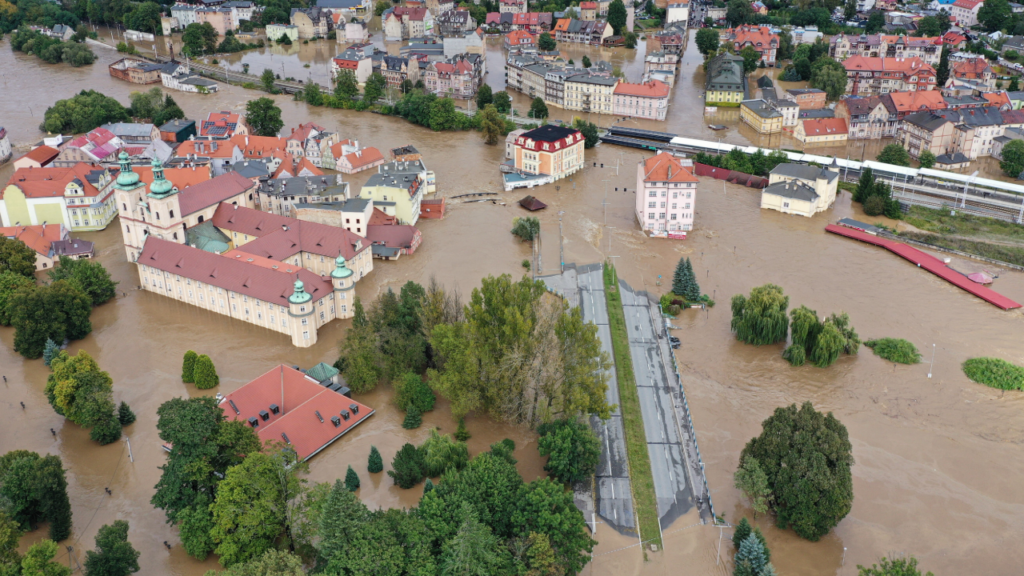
(932, 363)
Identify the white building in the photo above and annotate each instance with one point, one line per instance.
(177, 76)
(678, 12)
(666, 195)
(184, 13)
(5, 146)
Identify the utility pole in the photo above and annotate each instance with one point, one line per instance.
(561, 249)
(605, 203)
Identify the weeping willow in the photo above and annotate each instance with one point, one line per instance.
(761, 318)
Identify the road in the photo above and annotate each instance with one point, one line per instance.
(584, 287)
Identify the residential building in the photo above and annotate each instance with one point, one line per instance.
(800, 189)
(926, 131)
(178, 76)
(455, 78)
(762, 116)
(219, 153)
(590, 93)
(438, 7)
(867, 118)
(277, 31)
(808, 98)
(5, 146)
(760, 38)
(95, 147)
(290, 406)
(388, 242)
(455, 23)
(512, 6)
(354, 62)
(359, 160)
(928, 49)
(469, 43)
(532, 22)
(582, 31)
(353, 214)
(666, 195)
(588, 11)
(397, 190)
(726, 83)
(402, 23)
(223, 124)
(976, 70)
(868, 76)
(646, 100)
(38, 157)
(677, 12)
(281, 195)
(350, 32)
(185, 14)
(51, 242)
(554, 151)
(822, 131)
(136, 71)
(669, 40)
(520, 40)
(177, 131)
(78, 197)
(396, 70)
(347, 9)
(966, 12)
(292, 168)
(975, 134)
(759, 8)
(220, 18)
(312, 22)
(905, 103)
(133, 134)
(241, 10)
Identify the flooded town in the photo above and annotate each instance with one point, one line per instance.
(516, 267)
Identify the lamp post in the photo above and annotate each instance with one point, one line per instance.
(932, 363)
(561, 250)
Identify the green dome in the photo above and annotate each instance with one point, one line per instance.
(127, 178)
(340, 271)
(160, 186)
(299, 296)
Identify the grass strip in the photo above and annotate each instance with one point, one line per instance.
(645, 502)
(995, 373)
(941, 222)
(1010, 254)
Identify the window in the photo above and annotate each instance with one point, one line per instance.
(321, 315)
(172, 214)
(305, 321)
(302, 308)
(651, 216)
(305, 335)
(127, 229)
(157, 215)
(271, 318)
(652, 194)
(652, 204)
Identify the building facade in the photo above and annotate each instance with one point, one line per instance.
(647, 100)
(928, 49)
(800, 189)
(666, 195)
(760, 38)
(726, 83)
(80, 197)
(554, 151)
(874, 76)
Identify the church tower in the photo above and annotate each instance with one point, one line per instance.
(300, 308)
(344, 284)
(128, 190)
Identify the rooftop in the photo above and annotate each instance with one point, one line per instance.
(804, 172)
(794, 189)
(280, 237)
(213, 191)
(665, 167)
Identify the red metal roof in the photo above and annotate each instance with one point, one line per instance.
(652, 89)
(214, 191)
(929, 263)
(299, 398)
(42, 155)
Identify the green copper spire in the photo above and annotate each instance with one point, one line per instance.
(126, 180)
(161, 187)
(299, 296)
(340, 271)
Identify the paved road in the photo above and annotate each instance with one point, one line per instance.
(584, 287)
(665, 442)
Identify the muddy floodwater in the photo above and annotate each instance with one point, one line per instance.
(938, 460)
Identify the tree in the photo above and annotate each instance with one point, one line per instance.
(374, 463)
(572, 449)
(928, 27)
(413, 417)
(50, 351)
(88, 276)
(926, 158)
(38, 561)
(761, 318)
(750, 558)
(545, 43)
(484, 96)
(347, 87)
(474, 551)
(707, 42)
(752, 482)
(443, 115)
(876, 21)
(205, 374)
(267, 80)
(407, 467)
(351, 480)
(114, 554)
(807, 458)
(586, 61)
(270, 563)
(374, 88)
(538, 109)
(503, 102)
(850, 9)
(896, 567)
(865, 186)
(34, 489)
(461, 433)
(617, 17)
(492, 125)
(17, 257)
(263, 116)
(10, 535)
(629, 40)
(440, 454)
(10, 283)
(145, 17)
(341, 519)
(739, 12)
(77, 389)
(1014, 84)
(589, 131)
(743, 529)
(526, 228)
(124, 414)
(188, 366)
(750, 59)
(82, 112)
(106, 431)
(194, 526)
(1012, 163)
(198, 39)
(312, 95)
(994, 14)
(544, 507)
(894, 154)
(942, 72)
(830, 76)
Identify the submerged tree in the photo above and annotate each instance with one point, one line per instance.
(375, 463)
(761, 318)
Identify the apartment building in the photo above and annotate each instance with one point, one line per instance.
(646, 100)
(800, 189)
(79, 197)
(555, 151)
(966, 12)
(868, 76)
(666, 195)
(590, 93)
(821, 132)
(867, 118)
(760, 38)
(928, 49)
(726, 82)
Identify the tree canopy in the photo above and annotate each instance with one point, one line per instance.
(88, 276)
(572, 449)
(82, 112)
(1012, 163)
(617, 16)
(894, 154)
(114, 554)
(761, 318)
(263, 116)
(57, 311)
(34, 490)
(16, 257)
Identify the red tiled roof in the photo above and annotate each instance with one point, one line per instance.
(953, 38)
(918, 100)
(970, 69)
(98, 136)
(665, 167)
(258, 146)
(652, 89)
(364, 157)
(562, 25)
(268, 285)
(757, 36)
(997, 99)
(290, 168)
(206, 148)
(588, 5)
(219, 124)
(38, 237)
(51, 182)
(825, 126)
(878, 64)
(181, 177)
(299, 398)
(967, 4)
(43, 155)
(379, 218)
(275, 242)
(214, 191)
(519, 38)
(304, 130)
(1013, 116)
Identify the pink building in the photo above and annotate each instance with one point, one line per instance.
(646, 100)
(666, 195)
(219, 18)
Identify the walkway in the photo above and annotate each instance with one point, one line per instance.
(929, 263)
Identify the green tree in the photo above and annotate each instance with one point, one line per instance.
(264, 117)
(926, 158)
(270, 563)
(545, 507)
(526, 228)
(10, 536)
(707, 42)
(341, 521)
(124, 414)
(38, 561)
(34, 489)
(10, 283)
(876, 21)
(347, 87)
(751, 57)
(413, 417)
(761, 318)
(73, 386)
(443, 115)
(407, 467)
(1012, 163)
(249, 510)
(114, 554)
(743, 529)
(617, 17)
(752, 482)
(461, 433)
(17, 257)
(750, 558)
(484, 96)
(50, 352)
(629, 40)
(440, 453)
(492, 125)
(267, 80)
(198, 39)
(538, 109)
(144, 17)
(474, 551)
(865, 186)
(188, 367)
(572, 448)
(312, 95)
(994, 15)
(944, 23)
(195, 524)
(894, 154)
(589, 131)
(106, 431)
(830, 76)
(204, 373)
(928, 27)
(586, 61)
(351, 480)
(739, 12)
(411, 389)
(503, 102)
(88, 276)
(375, 463)
(896, 567)
(850, 9)
(82, 112)
(807, 457)
(1014, 84)
(546, 43)
(942, 72)
(374, 88)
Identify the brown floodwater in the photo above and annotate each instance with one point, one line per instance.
(938, 460)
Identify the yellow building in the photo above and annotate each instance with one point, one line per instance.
(822, 131)
(397, 189)
(762, 116)
(80, 197)
(587, 93)
(800, 189)
(726, 82)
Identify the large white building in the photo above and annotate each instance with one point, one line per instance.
(678, 12)
(666, 195)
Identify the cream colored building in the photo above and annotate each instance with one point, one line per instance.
(762, 116)
(822, 131)
(80, 197)
(587, 93)
(800, 189)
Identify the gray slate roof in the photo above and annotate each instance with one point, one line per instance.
(795, 190)
(804, 172)
(926, 120)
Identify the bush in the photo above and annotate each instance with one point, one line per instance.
(205, 374)
(674, 309)
(351, 480)
(410, 389)
(413, 418)
(995, 372)
(106, 431)
(188, 366)
(895, 350)
(572, 449)
(874, 206)
(461, 433)
(526, 228)
(407, 467)
(440, 453)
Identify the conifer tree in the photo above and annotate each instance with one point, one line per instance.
(413, 418)
(461, 433)
(375, 463)
(679, 279)
(741, 532)
(188, 367)
(428, 486)
(692, 292)
(351, 480)
(50, 351)
(125, 414)
(752, 554)
(205, 374)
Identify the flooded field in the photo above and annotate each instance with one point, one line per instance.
(938, 461)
